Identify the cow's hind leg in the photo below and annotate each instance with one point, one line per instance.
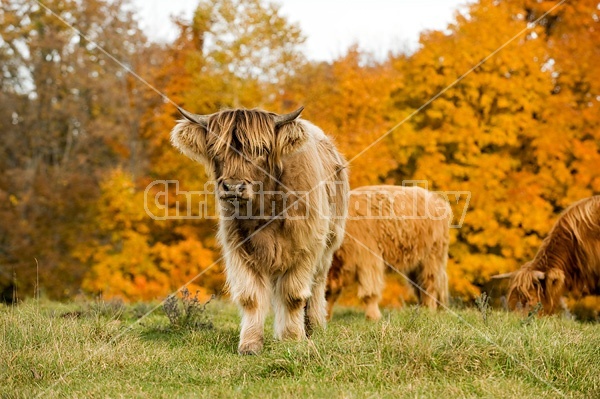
(332, 293)
(291, 293)
(433, 281)
(316, 310)
(370, 277)
(335, 283)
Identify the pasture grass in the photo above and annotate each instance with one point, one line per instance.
(98, 350)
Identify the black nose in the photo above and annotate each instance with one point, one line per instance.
(236, 186)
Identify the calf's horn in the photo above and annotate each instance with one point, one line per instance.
(503, 275)
(202, 120)
(538, 274)
(286, 118)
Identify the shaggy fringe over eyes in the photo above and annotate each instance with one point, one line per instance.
(522, 284)
(251, 132)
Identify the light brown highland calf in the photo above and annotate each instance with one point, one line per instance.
(568, 261)
(404, 228)
(282, 190)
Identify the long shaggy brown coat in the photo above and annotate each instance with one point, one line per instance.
(404, 228)
(567, 262)
(283, 195)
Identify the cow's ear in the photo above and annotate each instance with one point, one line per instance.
(290, 134)
(189, 137)
(290, 137)
(555, 276)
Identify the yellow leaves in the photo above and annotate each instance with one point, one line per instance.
(587, 152)
(504, 133)
(349, 100)
(121, 207)
(520, 133)
(126, 262)
(461, 281)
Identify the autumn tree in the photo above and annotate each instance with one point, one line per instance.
(496, 133)
(350, 100)
(71, 114)
(126, 260)
(569, 152)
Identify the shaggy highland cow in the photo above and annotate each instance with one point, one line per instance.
(406, 228)
(277, 242)
(568, 261)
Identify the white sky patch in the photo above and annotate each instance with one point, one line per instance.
(331, 26)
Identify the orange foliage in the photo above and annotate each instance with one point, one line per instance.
(500, 133)
(127, 262)
(350, 99)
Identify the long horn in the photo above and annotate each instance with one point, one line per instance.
(539, 275)
(202, 120)
(503, 275)
(287, 118)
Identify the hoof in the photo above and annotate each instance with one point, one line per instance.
(250, 348)
(294, 335)
(374, 316)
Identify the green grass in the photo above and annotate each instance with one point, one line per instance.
(97, 351)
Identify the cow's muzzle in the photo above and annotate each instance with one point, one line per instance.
(231, 190)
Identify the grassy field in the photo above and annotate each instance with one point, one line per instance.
(98, 350)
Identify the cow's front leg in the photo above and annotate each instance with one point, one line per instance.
(291, 292)
(254, 311)
(251, 292)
